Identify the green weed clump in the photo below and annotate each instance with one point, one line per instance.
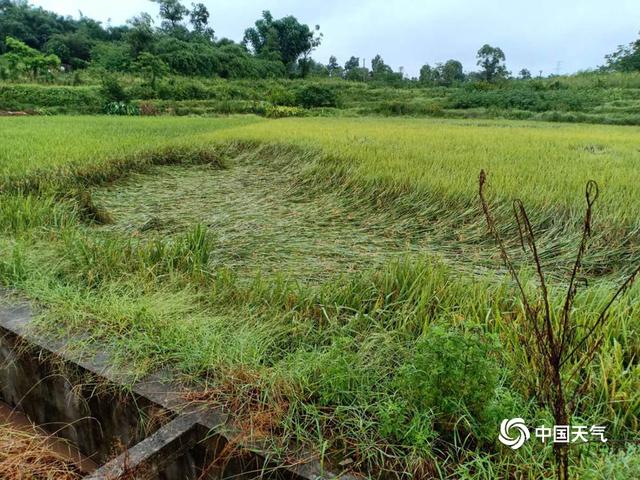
(121, 108)
(315, 96)
(276, 111)
(526, 99)
(445, 389)
(68, 99)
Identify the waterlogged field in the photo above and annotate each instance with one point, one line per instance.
(336, 272)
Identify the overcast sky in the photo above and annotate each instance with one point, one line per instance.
(555, 36)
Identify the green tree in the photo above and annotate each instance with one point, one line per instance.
(172, 12)
(21, 58)
(333, 67)
(427, 75)
(524, 74)
(491, 60)
(351, 64)
(626, 58)
(112, 56)
(140, 35)
(233, 61)
(352, 69)
(199, 19)
(73, 49)
(151, 67)
(380, 71)
(31, 25)
(449, 73)
(286, 37)
(313, 68)
(379, 68)
(306, 62)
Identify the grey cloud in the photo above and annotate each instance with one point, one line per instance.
(533, 34)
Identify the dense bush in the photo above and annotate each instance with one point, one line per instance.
(281, 95)
(177, 88)
(121, 108)
(397, 107)
(621, 465)
(277, 111)
(113, 56)
(446, 383)
(235, 62)
(315, 95)
(187, 58)
(558, 101)
(525, 99)
(77, 99)
(451, 375)
(112, 90)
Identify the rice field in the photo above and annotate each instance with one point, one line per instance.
(338, 269)
(260, 225)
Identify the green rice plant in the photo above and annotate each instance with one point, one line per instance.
(331, 271)
(20, 213)
(189, 253)
(89, 211)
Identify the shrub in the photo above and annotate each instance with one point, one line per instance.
(184, 89)
(525, 99)
(434, 109)
(273, 111)
(451, 378)
(620, 465)
(25, 97)
(143, 92)
(121, 108)
(148, 109)
(112, 90)
(480, 85)
(314, 96)
(394, 107)
(279, 95)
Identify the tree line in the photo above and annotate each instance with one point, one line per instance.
(183, 43)
(36, 43)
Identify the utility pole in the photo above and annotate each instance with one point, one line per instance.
(558, 67)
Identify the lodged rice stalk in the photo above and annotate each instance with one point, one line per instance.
(28, 455)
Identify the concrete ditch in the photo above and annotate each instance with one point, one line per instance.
(145, 431)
